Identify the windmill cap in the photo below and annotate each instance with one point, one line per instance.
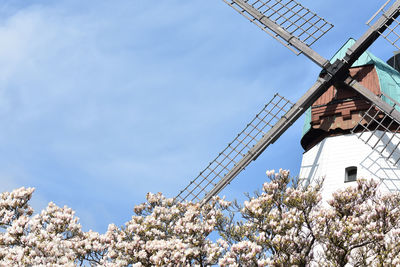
(389, 78)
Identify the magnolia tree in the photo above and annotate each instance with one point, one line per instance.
(285, 224)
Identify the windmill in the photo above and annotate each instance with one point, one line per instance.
(297, 28)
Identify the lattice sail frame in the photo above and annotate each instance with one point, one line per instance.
(236, 150)
(392, 33)
(379, 129)
(334, 74)
(289, 15)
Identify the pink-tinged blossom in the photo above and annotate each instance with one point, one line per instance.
(286, 224)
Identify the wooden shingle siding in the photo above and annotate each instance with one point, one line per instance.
(366, 75)
(339, 109)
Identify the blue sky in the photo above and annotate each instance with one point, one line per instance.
(103, 101)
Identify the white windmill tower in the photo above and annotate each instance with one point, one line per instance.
(347, 79)
(341, 127)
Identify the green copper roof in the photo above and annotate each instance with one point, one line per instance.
(389, 78)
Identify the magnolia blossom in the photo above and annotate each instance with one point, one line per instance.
(286, 224)
(165, 233)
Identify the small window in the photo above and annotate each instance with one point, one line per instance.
(351, 174)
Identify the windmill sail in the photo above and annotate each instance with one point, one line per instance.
(276, 117)
(391, 34)
(377, 129)
(220, 170)
(293, 25)
(233, 159)
(379, 27)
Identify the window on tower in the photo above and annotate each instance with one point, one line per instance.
(351, 174)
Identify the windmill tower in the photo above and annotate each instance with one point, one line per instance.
(347, 92)
(341, 127)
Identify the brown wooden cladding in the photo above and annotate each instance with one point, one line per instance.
(366, 75)
(339, 109)
(344, 101)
